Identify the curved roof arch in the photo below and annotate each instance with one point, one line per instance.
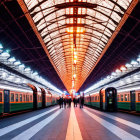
(75, 34)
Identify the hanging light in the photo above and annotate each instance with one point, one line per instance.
(138, 59)
(1, 47)
(12, 59)
(5, 54)
(17, 63)
(128, 65)
(123, 68)
(134, 62)
(27, 69)
(21, 67)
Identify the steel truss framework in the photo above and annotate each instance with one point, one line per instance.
(75, 34)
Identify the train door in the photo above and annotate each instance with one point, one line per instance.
(111, 99)
(6, 101)
(133, 100)
(101, 100)
(35, 99)
(43, 97)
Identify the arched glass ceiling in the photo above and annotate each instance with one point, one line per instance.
(76, 33)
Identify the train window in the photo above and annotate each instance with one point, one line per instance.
(12, 97)
(95, 98)
(24, 98)
(125, 97)
(27, 98)
(0, 97)
(30, 97)
(20, 97)
(16, 97)
(121, 97)
(138, 96)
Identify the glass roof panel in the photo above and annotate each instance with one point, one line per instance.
(76, 34)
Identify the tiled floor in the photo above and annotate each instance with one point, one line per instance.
(70, 124)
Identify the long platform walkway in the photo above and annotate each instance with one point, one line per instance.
(70, 124)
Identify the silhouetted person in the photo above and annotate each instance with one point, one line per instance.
(65, 102)
(60, 101)
(69, 102)
(81, 102)
(75, 102)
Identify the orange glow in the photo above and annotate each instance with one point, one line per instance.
(75, 53)
(74, 61)
(79, 30)
(71, 10)
(69, 30)
(74, 76)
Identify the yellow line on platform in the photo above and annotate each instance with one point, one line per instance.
(73, 130)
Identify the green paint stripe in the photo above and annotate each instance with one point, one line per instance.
(20, 106)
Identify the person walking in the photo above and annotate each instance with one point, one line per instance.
(69, 102)
(81, 102)
(75, 102)
(65, 102)
(60, 101)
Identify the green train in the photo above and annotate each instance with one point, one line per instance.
(16, 99)
(109, 99)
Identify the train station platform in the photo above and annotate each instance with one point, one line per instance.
(70, 124)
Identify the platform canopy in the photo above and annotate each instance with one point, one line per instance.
(75, 34)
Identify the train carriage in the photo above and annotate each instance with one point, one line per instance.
(39, 98)
(138, 100)
(14, 99)
(48, 99)
(129, 100)
(108, 99)
(1, 101)
(105, 99)
(54, 99)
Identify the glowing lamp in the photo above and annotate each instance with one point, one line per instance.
(113, 74)
(118, 71)
(138, 59)
(128, 65)
(12, 59)
(17, 63)
(69, 30)
(123, 68)
(134, 62)
(74, 61)
(1, 47)
(74, 76)
(27, 69)
(5, 54)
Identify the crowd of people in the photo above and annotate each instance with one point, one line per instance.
(66, 102)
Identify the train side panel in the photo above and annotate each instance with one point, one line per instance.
(1, 101)
(87, 100)
(138, 101)
(48, 100)
(20, 101)
(39, 100)
(124, 101)
(95, 101)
